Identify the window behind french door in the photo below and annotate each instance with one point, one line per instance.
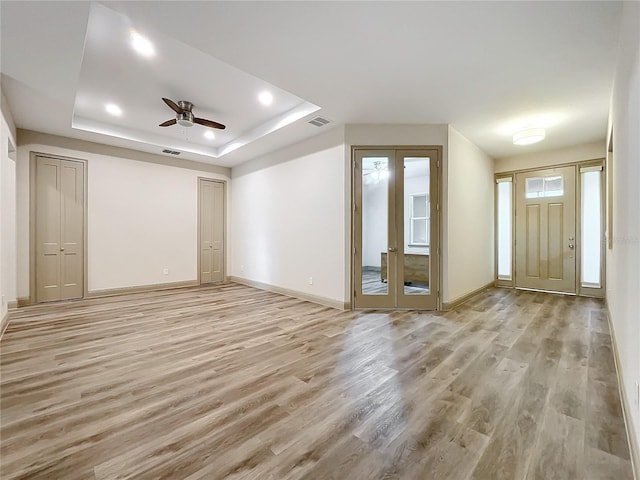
(396, 228)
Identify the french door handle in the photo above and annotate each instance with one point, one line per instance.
(391, 249)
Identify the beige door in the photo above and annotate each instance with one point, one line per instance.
(211, 231)
(395, 258)
(546, 230)
(59, 229)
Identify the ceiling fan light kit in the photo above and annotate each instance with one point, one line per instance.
(185, 117)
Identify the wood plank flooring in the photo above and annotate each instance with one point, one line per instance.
(230, 382)
(372, 285)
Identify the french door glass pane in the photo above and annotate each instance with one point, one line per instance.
(375, 214)
(591, 228)
(504, 230)
(416, 226)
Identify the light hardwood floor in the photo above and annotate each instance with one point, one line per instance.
(372, 284)
(237, 383)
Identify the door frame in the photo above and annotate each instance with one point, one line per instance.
(33, 163)
(439, 207)
(580, 290)
(224, 227)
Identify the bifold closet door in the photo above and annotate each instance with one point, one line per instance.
(211, 227)
(59, 229)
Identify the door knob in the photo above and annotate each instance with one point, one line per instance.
(391, 249)
(62, 249)
(571, 246)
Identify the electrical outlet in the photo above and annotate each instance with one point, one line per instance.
(165, 271)
(310, 280)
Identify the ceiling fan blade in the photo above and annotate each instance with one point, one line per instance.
(168, 123)
(209, 123)
(173, 105)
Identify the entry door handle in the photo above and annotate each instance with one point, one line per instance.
(571, 246)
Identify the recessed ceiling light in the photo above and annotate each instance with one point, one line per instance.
(528, 136)
(209, 134)
(141, 44)
(113, 109)
(265, 98)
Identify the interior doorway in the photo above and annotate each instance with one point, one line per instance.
(396, 227)
(211, 231)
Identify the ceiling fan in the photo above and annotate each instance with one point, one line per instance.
(184, 116)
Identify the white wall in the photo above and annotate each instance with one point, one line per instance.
(142, 212)
(623, 261)
(469, 264)
(288, 213)
(374, 223)
(8, 282)
(374, 228)
(576, 153)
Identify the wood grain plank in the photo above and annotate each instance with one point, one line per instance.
(230, 382)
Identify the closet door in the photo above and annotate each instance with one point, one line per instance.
(59, 229)
(211, 231)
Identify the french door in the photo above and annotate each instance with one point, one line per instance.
(396, 228)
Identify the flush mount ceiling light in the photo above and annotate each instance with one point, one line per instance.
(141, 44)
(528, 136)
(265, 98)
(113, 109)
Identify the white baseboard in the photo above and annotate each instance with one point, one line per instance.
(140, 289)
(465, 298)
(4, 324)
(327, 302)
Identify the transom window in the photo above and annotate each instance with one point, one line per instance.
(544, 187)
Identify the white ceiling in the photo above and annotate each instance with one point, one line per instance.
(487, 68)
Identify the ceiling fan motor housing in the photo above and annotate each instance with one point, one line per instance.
(185, 118)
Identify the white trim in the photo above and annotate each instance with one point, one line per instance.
(592, 168)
